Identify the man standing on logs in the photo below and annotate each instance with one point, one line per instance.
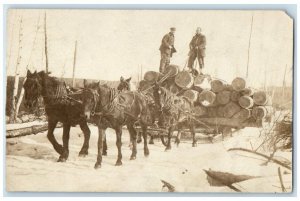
(197, 50)
(167, 49)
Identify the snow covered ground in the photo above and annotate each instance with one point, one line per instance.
(31, 165)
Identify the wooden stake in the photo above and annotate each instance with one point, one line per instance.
(74, 64)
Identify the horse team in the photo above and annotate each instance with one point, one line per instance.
(107, 108)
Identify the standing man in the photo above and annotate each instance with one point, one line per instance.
(197, 50)
(167, 49)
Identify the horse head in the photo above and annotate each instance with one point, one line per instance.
(33, 88)
(125, 84)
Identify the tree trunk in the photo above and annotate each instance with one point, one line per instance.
(16, 81)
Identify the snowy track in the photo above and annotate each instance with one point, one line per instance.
(31, 166)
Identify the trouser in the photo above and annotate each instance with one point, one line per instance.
(192, 58)
(164, 61)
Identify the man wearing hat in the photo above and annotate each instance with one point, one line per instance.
(167, 49)
(197, 49)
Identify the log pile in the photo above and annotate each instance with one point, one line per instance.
(220, 99)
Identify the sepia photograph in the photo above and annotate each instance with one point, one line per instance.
(141, 100)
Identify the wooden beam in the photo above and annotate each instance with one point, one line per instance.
(74, 65)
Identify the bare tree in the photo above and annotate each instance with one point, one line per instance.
(17, 75)
(29, 60)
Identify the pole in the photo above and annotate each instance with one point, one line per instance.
(249, 44)
(74, 64)
(283, 83)
(46, 47)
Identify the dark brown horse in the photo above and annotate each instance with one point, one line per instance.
(60, 106)
(174, 113)
(124, 85)
(110, 109)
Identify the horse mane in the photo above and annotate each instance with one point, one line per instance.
(53, 89)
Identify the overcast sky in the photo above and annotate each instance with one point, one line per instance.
(112, 43)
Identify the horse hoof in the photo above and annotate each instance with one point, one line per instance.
(132, 158)
(168, 148)
(195, 144)
(97, 166)
(83, 154)
(146, 153)
(139, 141)
(118, 163)
(104, 154)
(151, 142)
(61, 159)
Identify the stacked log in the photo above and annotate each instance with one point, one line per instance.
(238, 84)
(217, 86)
(192, 95)
(246, 102)
(223, 97)
(207, 98)
(221, 100)
(184, 80)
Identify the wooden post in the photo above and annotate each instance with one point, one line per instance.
(249, 44)
(74, 64)
(283, 84)
(46, 46)
(12, 117)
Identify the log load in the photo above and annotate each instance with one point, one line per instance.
(212, 111)
(238, 84)
(206, 98)
(260, 98)
(144, 85)
(247, 92)
(260, 112)
(217, 85)
(235, 96)
(200, 111)
(199, 79)
(243, 114)
(223, 97)
(151, 76)
(184, 80)
(220, 111)
(171, 70)
(174, 89)
(230, 109)
(246, 102)
(191, 95)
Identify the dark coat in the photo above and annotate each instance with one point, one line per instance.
(166, 42)
(198, 43)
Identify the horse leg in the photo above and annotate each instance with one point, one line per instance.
(66, 136)
(151, 139)
(192, 129)
(119, 145)
(104, 151)
(170, 133)
(51, 126)
(146, 150)
(100, 144)
(177, 140)
(139, 137)
(132, 133)
(86, 131)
